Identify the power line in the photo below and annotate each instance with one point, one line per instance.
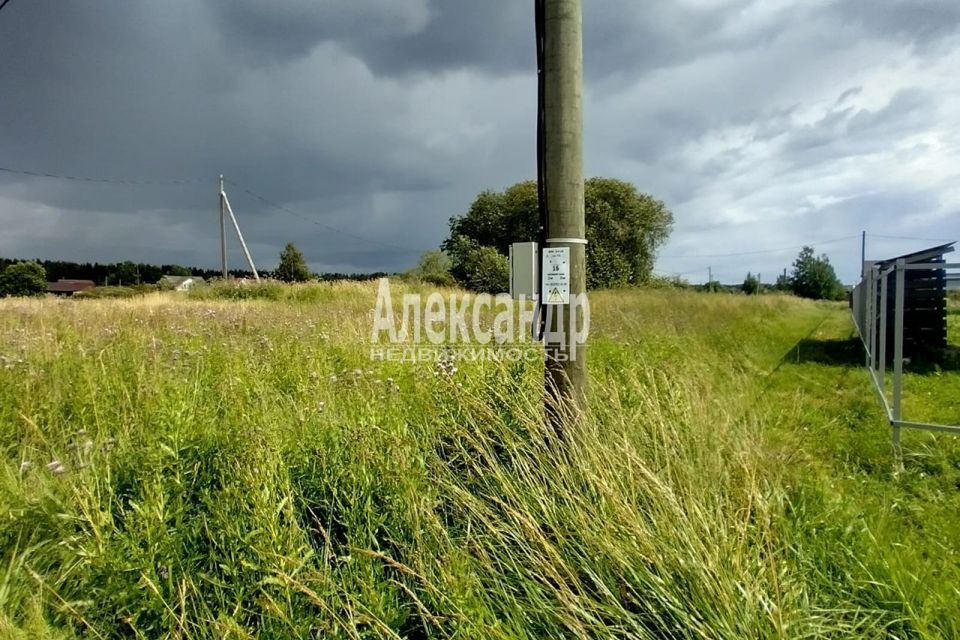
(266, 201)
(3, 4)
(122, 181)
(761, 251)
(874, 235)
(684, 273)
(328, 227)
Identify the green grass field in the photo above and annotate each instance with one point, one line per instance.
(203, 468)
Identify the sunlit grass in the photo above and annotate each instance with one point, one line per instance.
(241, 468)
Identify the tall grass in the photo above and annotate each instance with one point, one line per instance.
(197, 468)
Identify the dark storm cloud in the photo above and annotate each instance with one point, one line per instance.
(391, 37)
(495, 36)
(149, 92)
(269, 32)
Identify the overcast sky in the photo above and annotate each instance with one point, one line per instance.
(764, 124)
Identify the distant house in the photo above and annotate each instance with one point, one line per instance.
(65, 287)
(180, 283)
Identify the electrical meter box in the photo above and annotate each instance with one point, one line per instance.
(523, 270)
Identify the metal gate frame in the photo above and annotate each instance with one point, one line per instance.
(872, 326)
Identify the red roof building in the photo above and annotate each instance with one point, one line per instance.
(64, 287)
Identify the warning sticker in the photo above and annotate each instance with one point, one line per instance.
(555, 284)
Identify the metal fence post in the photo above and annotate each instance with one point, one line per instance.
(898, 353)
(859, 308)
(883, 334)
(874, 317)
(868, 318)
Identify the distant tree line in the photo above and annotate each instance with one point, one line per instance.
(130, 273)
(120, 273)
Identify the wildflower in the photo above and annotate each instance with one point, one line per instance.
(445, 368)
(320, 406)
(56, 467)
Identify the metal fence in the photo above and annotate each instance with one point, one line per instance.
(871, 309)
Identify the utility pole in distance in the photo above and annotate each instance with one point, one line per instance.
(223, 234)
(863, 253)
(561, 29)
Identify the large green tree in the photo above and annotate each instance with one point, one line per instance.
(23, 279)
(293, 266)
(624, 229)
(814, 277)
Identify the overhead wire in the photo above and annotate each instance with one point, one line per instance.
(120, 181)
(539, 10)
(759, 251)
(541, 191)
(287, 210)
(883, 237)
(184, 181)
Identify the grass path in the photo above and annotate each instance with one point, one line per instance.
(835, 434)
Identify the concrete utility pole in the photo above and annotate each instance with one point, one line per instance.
(863, 253)
(236, 227)
(223, 233)
(562, 121)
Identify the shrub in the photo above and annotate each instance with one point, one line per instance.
(667, 282)
(99, 293)
(23, 279)
(238, 290)
(487, 271)
(433, 268)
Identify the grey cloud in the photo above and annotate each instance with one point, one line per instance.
(849, 132)
(274, 32)
(384, 118)
(919, 21)
(494, 36)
